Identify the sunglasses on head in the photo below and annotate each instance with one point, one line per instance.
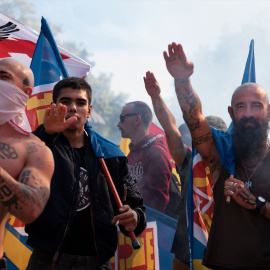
(122, 116)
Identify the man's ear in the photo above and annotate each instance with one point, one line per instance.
(230, 111)
(89, 111)
(268, 112)
(28, 90)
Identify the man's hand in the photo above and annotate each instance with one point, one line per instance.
(177, 63)
(128, 218)
(151, 85)
(54, 119)
(237, 190)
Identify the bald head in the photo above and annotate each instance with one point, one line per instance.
(17, 73)
(249, 100)
(249, 87)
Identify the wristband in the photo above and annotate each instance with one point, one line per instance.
(260, 202)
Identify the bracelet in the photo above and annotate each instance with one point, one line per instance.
(184, 97)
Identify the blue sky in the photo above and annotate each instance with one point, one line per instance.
(127, 38)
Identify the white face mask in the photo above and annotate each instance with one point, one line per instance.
(12, 104)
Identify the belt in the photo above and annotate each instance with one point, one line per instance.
(64, 257)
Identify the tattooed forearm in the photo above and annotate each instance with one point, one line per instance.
(30, 192)
(192, 101)
(191, 122)
(7, 151)
(202, 139)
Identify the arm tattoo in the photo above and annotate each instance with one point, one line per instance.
(203, 139)
(7, 151)
(246, 196)
(17, 196)
(192, 102)
(191, 121)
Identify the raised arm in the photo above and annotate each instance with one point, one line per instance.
(176, 146)
(27, 197)
(54, 119)
(190, 104)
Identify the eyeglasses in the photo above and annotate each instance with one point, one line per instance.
(122, 116)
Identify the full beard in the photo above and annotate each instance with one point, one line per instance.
(249, 141)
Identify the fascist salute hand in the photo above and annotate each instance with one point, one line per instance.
(151, 85)
(177, 63)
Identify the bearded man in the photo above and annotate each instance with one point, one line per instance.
(239, 235)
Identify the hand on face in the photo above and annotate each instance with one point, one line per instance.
(54, 119)
(177, 63)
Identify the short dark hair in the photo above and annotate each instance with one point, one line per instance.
(144, 111)
(74, 83)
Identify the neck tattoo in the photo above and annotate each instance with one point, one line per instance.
(249, 172)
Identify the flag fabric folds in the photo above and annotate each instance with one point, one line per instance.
(200, 204)
(47, 64)
(249, 73)
(101, 146)
(19, 41)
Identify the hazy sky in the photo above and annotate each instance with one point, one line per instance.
(127, 38)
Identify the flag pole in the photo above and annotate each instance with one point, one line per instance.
(134, 241)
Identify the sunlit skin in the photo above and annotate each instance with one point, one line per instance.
(26, 163)
(248, 100)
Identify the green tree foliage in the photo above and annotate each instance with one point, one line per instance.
(105, 102)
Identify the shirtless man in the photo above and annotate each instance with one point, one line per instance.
(26, 164)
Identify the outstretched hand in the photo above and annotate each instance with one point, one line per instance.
(151, 85)
(177, 63)
(54, 119)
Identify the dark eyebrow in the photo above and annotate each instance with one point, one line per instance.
(78, 99)
(2, 72)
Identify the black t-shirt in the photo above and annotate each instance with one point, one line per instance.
(80, 238)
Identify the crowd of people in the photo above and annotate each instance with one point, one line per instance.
(59, 189)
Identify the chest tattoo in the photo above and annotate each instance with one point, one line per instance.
(7, 151)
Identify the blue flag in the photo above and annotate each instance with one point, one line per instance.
(47, 64)
(101, 146)
(249, 73)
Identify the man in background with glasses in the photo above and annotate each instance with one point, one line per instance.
(148, 158)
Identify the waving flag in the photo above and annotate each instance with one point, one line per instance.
(48, 65)
(19, 42)
(200, 204)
